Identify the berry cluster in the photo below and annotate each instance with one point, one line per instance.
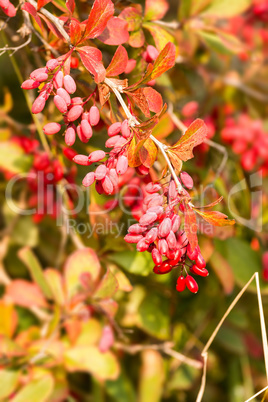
(249, 140)
(159, 233)
(62, 86)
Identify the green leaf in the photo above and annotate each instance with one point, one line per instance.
(160, 35)
(79, 262)
(107, 287)
(27, 256)
(213, 41)
(25, 232)
(9, 381)
(152, 376)
(133, 262)
(13, 158)
(103, 366)
(37, 390)
(226, 8)
(153, 316)
(121, 389)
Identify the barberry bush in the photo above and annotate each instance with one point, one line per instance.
(134, 159)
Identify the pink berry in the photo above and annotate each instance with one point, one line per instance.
(164, 227)
(81, 160)
(148, 218)
(113, 177)
(130, 238)
(136, 229)
(151, 236)
(86, 129)
(10, 11)
(142, 170)
(77, 101)
(100, 172)
(176, 221)
(181, 284)
(58, 79)
(107, 339)
(81, 135)
(107, 185)
(39, 104)
(51, 128)
(4, 3)
(110, 143)
(156, 256)
(191, 284)
(64, 95)
(39, 73)
(85, 116)
(74, 113)
(152, 188)
(142, 245)
(152, 53)
(186, 180)
(114, 129)
(131, 64)
(172, 190)
(122, 165)
(94, 115)
(30, 84)
(60, 104)
(162, 246)
(70, 136)
(88, 179)
(96, 156)
(171, 240)
(125, 129)
(69, 84)
(52, 64)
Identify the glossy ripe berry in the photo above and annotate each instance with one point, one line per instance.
(136, 229)
(51, 128)
(142, 245)
(156, 256)
(147, 219)
(132, 238)
(69, 84)
(152, 53)
(171, 240)
(192, 254)
(151, 236)
(162, 246)
(181, 284)
(94, 116)
(199, 261)
(165, 227)
(191, 284)
(174, 261)
(164, 268)
(199, 271)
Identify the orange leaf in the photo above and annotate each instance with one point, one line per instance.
(194, 135)
(139, 99)
(42, 3)
(133, 16)
(155, 9)
(137, 38)
(148, 153)
(212, 204)
(133, 154)
(216, 218)
(101, 12)
(118, 63)
(190, 226)
(91, 58)
(25, 294)
(154, 99)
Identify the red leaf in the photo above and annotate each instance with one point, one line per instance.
(155, 9)
(133, 16)
(25, 294)
(115, 33)
(76, 31)
(154, 99)
(164, 61)
(140, 100)
(31, 10)
(52, 27)
(190, 226)
(118, 63)
(194, 135)
(70, 4)
(42, 3)
(91, 58)
(101, 12)
(216, 218)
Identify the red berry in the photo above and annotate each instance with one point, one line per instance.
(151, 236)
(199, 261)
(191, 284)
(131, 238)
(122, 165)
(74, 62)
(142, 245)
(192, 254)
(165, 227)
(30, 84)
(156, 256)
(164, 268)
(181, 284)
(199, 271)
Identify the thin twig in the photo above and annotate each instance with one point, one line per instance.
(171, 24)
(134, 121)
(56, 21)
(16, 48)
